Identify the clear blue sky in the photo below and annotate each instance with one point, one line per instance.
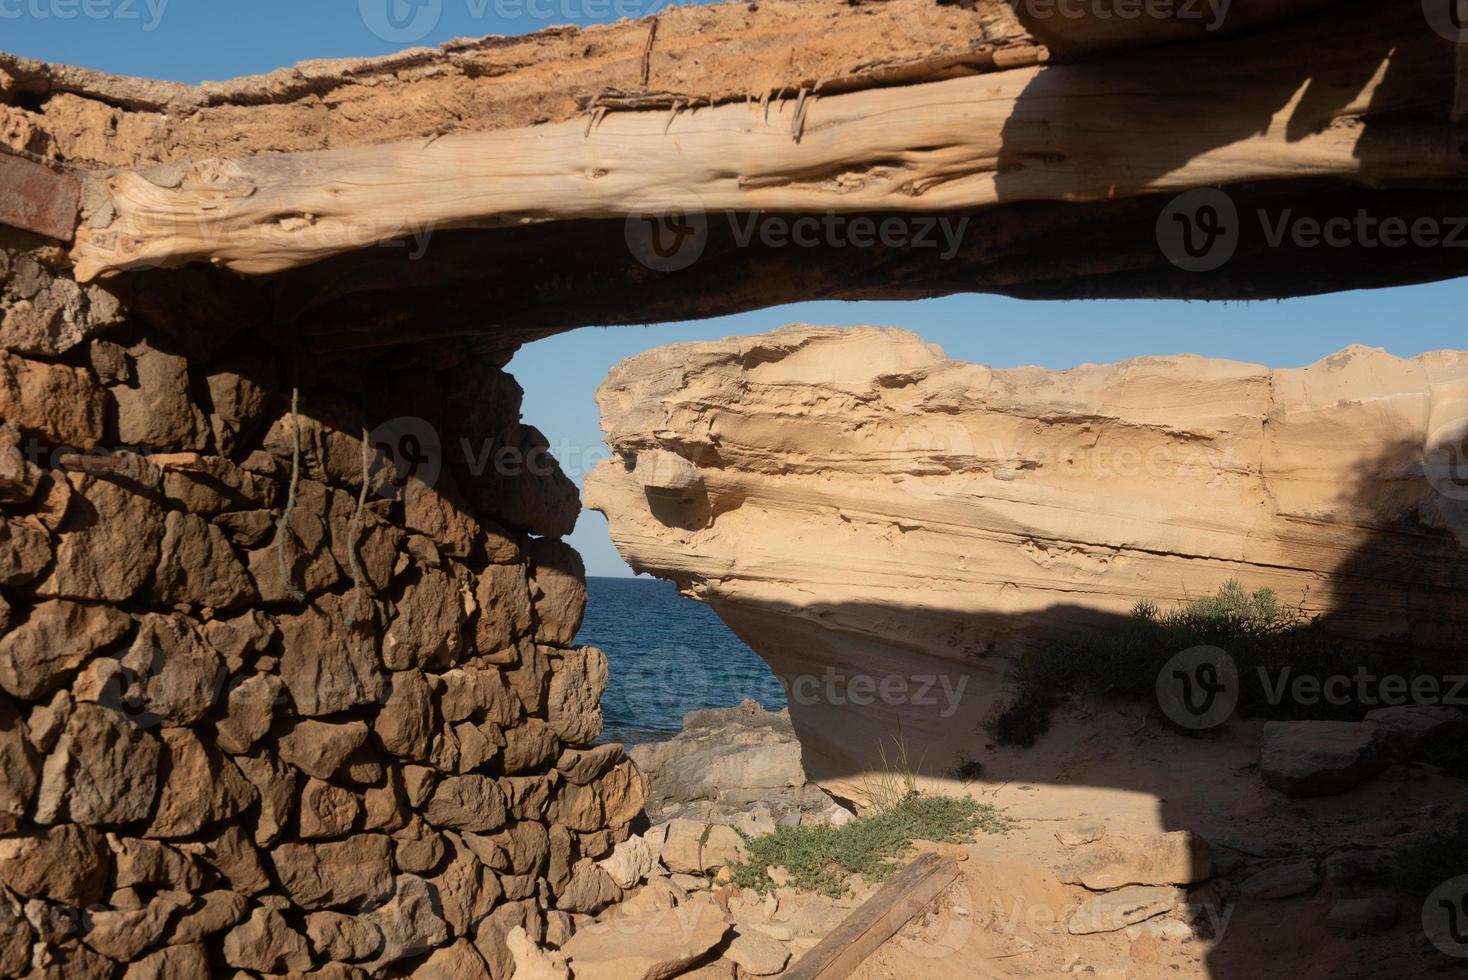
(192, 40)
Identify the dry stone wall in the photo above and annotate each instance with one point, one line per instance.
(362, 745)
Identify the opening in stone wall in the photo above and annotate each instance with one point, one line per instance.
(1027, 542)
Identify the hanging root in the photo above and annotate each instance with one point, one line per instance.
(282, 527)
(596, 116)
(354, 532)
(797, 120)
(652, 35)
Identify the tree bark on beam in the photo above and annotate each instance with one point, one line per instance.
(712, 53)
(1344, 98)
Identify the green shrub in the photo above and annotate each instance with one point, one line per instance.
(1258, 631)
(823, 858)
(966, 767)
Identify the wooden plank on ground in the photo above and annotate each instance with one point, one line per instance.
(37, 198)
(877, 921)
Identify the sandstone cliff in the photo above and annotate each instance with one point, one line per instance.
(864, 511)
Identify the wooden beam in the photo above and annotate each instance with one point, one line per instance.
(37, 198)
(1302, 102)
(720, 52)
(878, 920)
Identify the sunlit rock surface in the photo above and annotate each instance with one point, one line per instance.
(888, 527)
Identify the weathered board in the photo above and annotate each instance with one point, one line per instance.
(877, 921)
(37, 198)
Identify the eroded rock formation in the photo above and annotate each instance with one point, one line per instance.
(260, 716)
(348, 745)
(887, 527)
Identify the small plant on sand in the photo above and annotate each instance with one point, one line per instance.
(966, 768)
(823, 858)
(896, 781)
(1266, 638)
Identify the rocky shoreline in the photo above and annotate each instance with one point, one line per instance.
(739, 765)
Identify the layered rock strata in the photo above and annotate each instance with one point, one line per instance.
(888, 527)
(274, 700)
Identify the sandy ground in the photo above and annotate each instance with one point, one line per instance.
(1005, 917)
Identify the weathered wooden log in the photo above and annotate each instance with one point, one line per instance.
(36, 198)
(1311, 101)
(880, 918)
(724, 52)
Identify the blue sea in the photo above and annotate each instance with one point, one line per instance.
(666, 655)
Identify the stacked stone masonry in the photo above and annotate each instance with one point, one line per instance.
(375, 764)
